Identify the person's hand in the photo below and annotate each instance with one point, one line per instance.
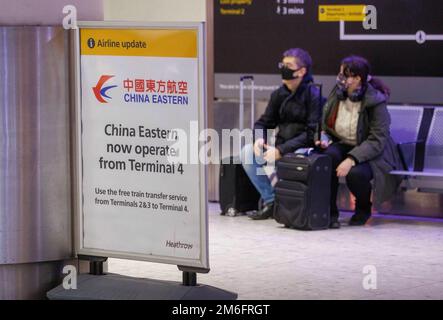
(325, 142)
(272, 154)
(344, 167)
(258, 145)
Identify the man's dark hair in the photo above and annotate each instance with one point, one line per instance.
(301, 56)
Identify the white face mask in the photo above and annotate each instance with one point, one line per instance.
(342, 81)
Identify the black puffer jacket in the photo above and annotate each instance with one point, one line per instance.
(295, 114)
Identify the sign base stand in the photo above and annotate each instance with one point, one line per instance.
(118, 287)
(95, 264)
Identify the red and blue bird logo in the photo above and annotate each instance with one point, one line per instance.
(100, 91)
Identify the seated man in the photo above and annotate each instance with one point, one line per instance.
(295, 108)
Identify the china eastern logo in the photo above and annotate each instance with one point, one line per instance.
(100, 90)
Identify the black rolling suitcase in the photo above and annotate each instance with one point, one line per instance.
(303, 191)
(237, 194)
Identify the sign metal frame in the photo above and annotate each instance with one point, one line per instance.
(203, 261)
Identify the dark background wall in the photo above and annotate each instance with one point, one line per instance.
(254, 41)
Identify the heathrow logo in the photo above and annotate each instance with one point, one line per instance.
(100, 91)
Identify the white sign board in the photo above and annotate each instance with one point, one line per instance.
(137, 88)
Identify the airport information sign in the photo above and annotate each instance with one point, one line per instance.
(140, 93)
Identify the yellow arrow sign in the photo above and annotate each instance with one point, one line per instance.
(328, 13)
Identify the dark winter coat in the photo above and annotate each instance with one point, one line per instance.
(374, 143)
(296, 114)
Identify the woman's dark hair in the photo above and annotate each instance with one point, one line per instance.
(359, 66)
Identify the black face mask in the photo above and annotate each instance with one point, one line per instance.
(288, 74)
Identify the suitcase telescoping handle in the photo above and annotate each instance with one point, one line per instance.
(242, 102)
(319, 124)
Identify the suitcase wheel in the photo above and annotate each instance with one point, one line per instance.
(231, 212)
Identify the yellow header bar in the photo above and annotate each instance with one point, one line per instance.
(341, 12)
(139, 42)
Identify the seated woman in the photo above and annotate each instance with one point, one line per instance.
(356, 136)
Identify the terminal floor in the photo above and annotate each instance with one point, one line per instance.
(263, 260)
